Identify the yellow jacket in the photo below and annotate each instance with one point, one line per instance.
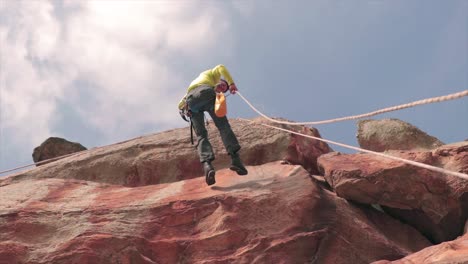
(209, 77)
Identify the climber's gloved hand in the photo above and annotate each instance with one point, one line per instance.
(233, 88)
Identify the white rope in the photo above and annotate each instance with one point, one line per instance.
(420, 102)
(41, 162)
(418, 164)
(388, 109)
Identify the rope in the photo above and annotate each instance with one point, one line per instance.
(388, 109)
(418, 164)
(420, 102)
(41, 162)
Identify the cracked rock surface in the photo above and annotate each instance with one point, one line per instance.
(433, 202)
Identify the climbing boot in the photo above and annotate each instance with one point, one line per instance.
(237, 166)
(209, 173)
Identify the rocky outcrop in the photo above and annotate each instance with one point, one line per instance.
(393, 134)
(169, 157)
(54, 147)
(448, 252)
(276, 214)
(434, 203)
(145, 200)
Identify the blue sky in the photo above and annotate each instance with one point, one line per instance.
(99, 72)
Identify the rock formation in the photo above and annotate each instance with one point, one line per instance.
(393, 134)
(54, 147)
(434, 203)
(448, 252)
(145, 201)
(168, 156)
(276, 213)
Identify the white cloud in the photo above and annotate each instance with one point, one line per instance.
(117, 44)
(121, 48)
(28, 93)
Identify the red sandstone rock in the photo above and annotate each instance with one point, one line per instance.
(169, 157)
(434, 203)
(453, 252)
(276, 214)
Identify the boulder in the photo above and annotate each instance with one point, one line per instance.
(275, 214)
(448, 252)
(55, 147)
(434, 203)
(169, 157)
(393, 134)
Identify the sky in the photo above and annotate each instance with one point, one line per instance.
(101, 72)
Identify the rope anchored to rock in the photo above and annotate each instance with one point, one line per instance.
(414, 163)
(411, 162)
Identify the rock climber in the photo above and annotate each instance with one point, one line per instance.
(200, 98)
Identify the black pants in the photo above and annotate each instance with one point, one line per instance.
(200, 100)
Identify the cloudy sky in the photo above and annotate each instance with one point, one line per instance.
(100, 72)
